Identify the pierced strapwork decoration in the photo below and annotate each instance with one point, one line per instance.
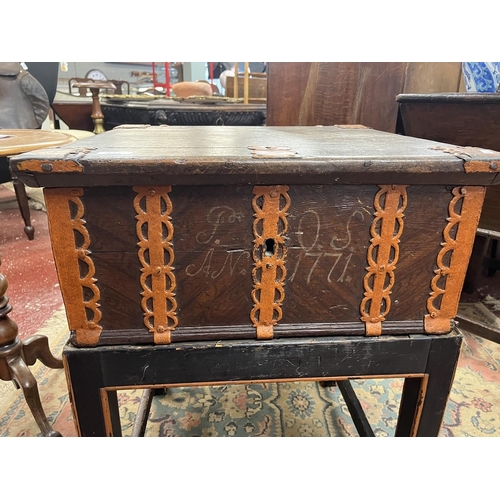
(270, 204)
(76, 270)
(383, 254)
(156, 255)
(452, 260)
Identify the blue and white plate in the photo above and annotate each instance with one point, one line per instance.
(481, 76)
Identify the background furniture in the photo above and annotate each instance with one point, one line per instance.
(119, 86)
(328, 93)
(46, 73)
(256, 85)
(124, 111)
(17, 355)
(261, 238)
(74, 111)
(95, 88)
(466, 119)
(17, 141)
(169, 112)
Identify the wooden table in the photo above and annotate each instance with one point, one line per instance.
(16, 355)
(467, 119)
(13, 142)
(199, 255)
(76, 111)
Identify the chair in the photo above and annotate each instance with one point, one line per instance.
(120, 85)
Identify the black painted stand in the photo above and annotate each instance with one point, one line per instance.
(426, 362)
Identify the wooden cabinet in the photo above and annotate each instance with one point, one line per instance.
(332, 93)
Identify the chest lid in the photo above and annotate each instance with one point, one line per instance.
(340, 154)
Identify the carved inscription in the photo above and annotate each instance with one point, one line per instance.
(313, 256)
(76, 270)
(383, 254)
(217, 218)
(156, 255)
(270, 204)
(453, 258)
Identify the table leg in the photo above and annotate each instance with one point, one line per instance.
(441, 366)
(22, 201)
(14, 360)
(355, 409)
(24, 378)
(410, 406)
(109, 401)
(37, 347)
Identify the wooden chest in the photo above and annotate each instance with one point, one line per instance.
(166, 234)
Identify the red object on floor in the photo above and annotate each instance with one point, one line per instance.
(28, 266)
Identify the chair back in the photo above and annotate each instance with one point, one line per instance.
(23, 100)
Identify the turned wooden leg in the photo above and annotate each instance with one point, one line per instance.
(22, 201)
(37, 347)
(97, 116)
(12, 360)
(94, 87)
(23, 376)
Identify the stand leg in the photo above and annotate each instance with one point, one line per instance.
(85, 379)
(114, 413)
(141, 418)
(411, 401)
(424, 399)
(355, 409)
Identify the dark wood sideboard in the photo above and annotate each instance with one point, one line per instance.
(76, 112)
(161, 112)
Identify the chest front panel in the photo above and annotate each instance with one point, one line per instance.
(168, 263)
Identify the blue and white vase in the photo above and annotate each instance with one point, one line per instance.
(481, 76)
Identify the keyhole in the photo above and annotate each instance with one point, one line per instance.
(269, 251)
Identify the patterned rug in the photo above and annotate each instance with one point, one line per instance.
(270, 409)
